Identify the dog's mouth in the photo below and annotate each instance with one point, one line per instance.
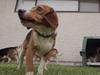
(25, 20)
(27, 23)
(25, 16)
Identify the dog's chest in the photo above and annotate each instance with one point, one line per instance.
(44, 44)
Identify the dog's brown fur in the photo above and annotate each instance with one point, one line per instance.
(39, 15)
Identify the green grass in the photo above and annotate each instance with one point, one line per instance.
(10, 69)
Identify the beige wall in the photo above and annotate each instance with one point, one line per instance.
(72, 28)
(11, 32)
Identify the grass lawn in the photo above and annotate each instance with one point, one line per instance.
(10, 69)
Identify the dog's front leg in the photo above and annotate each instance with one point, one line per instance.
(29, 61)
(45, 66)
(20, 58)
(41, 67)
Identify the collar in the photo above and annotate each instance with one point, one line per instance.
(45, 36)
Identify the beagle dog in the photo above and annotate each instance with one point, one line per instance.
(43, 22)
(9, 54)
(95, 57)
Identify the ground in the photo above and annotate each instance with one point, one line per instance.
(10, 69)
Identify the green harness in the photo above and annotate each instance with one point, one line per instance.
(44, 39)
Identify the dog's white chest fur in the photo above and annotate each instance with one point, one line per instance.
(43, 44)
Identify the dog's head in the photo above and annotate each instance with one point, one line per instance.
(39, 15)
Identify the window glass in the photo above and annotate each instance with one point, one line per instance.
(25, 4)
(61, 5)
(89, 5)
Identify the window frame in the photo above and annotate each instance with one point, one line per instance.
(78, 11)
(64, 10)
(16, 5)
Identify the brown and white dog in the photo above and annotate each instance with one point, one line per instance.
(43, 21)
(9, 54)
(95, 57)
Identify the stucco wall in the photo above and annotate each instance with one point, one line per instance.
(11, 31)
(72, 28)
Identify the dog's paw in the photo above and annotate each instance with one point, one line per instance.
(39, 73)
(46, 68)
(29, 73)
(18, 67)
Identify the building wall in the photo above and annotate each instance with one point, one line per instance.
(11, 31)
(72, 28)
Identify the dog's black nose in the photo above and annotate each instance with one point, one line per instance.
(21, 12)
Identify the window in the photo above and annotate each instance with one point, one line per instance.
(89, 6)
(62, 5)
(24, 4)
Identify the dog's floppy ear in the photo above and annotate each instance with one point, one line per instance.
(51, 19)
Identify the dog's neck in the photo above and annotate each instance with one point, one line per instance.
(44, 31)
